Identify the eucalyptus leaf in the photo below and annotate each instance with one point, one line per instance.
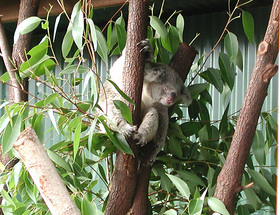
(180, 185)
(124, 110)
(159, 27)
(78, 29)
(248, 25)
(217, 205)
(27, 26)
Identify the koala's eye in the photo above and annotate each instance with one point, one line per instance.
(165, 88)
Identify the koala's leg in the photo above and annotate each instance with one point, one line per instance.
(148, 128)
(160, 137)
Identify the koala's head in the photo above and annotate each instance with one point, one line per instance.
(162, 84)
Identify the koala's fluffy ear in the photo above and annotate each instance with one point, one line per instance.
(186, 96)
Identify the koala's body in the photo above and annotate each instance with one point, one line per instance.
(162, 88)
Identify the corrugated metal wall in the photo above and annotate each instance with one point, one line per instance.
(210, 27)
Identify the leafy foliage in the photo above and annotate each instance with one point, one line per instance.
(184, 176)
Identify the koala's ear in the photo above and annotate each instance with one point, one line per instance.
(186, 96)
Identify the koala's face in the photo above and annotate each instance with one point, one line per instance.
(162, 84)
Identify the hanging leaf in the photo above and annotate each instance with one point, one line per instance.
(93, 33)
(78, 29)
(217, 205)
(248, 25)
(67, 43)
(159, 27)
(258, 147)
(180, 185)
(76, 142)
(231, 45)
(102, 47)
(213, 76)
(227, 70)
(262, 182)
(124, 110)
(11, 133)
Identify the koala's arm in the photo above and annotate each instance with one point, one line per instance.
(154, 126)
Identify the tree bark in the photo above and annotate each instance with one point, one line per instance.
(44, 174)
(229, 179)
(27, 8)
(124, 177)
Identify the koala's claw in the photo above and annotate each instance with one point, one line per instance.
(129, 130)
(141, 139)
(147, 48)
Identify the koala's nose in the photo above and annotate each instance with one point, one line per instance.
(173, 94)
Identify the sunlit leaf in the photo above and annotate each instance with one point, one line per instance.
(67, 43)
(78, 29)
(217, 205)
(180, 185)
(195, 206)
(27, 26)
(180, 24)
(59, 161)
(93, 33)
(88, 207)
(102, 47)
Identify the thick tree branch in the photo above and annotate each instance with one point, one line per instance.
(230, 176)
(44, 174)
(124, 178)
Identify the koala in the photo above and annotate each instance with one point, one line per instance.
(162, 88)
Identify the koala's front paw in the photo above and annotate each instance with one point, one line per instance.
(142, 141)
(146, 47)
(129, 130)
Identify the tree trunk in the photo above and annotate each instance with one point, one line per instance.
(125, 173)
(229, 179)
(27, 8)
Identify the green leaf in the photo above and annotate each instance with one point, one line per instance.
(59, 161)
(203, 135)
(195, 89)
(26, 26)
(258, 147)
(67, 43)
(102, 47)
(121, 36)
(52, 118)
(195, 206)
(217, 205)
(159, 27)
(124, 110)
(231, 45)
(227, 70)
(88, 207)
(5, 77)
(213, 76)
(78, 29)
(180, 24)
(7, 197)
(93, 35)
(56, 25)
(121, 92)
(11, 133)
(239, 60)
(262, 182)
(248, 25)
(117, 139)
(76, 142)
(190, 128)
(180, 185)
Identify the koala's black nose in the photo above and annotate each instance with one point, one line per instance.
(173, 94)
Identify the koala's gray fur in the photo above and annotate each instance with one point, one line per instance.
(162, 88)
